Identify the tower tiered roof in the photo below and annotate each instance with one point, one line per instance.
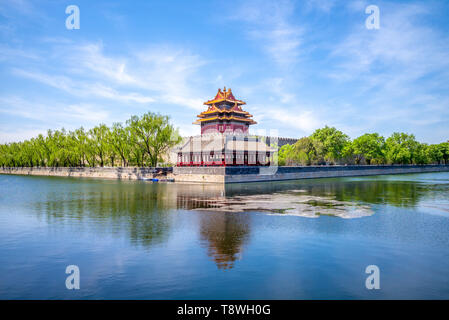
(225, 107)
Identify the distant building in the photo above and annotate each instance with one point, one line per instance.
(224, 139)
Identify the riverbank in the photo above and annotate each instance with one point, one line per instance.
(129, 173)
(266, 174)
(225, 174)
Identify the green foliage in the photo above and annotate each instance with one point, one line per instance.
(401, 148)
(142, 142)
(286, 154)
(444, 147)
(369, 147)
(153, 134)
(329, 145)
(306, 151)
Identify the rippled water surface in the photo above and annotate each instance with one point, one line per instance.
(285, 240)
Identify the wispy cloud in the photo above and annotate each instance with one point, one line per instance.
(269, 23)
(401, 44)
(21, 107)
(7, 53)
(303, 122)
(159, 73)
(402, 68)
(149, 75)
(82, 88)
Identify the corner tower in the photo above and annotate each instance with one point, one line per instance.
(224, 115)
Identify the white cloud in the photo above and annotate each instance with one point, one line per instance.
(82, 88)
(402, 48)
(401, 70)
(160, 74)
(90, 57)
(268, 23)
(19, 135)
(50, 112)
(8, 53)
(305, 121)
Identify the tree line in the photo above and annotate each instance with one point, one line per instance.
(141, 141)
(331, 146)
(144, 141)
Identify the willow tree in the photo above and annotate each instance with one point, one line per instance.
(120, 142)
(99, 136)
(154, 135)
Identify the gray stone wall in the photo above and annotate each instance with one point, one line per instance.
(293, 173)
(200, 170)
(97, 172)
(227, 174)
(257, 174)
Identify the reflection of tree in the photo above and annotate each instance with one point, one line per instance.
(225, 234)
(396, 193)
(138, 209)
(392, 192)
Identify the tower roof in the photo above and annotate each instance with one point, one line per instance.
(225, 95)
(216, 111)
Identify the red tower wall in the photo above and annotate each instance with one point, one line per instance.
(222, 127)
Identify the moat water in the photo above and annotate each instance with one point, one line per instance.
(307, 239)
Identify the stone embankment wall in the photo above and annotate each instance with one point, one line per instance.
(256, 174)
(96, 172)
(227, 174)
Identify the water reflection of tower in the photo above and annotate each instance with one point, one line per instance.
(195, 196)
(225, 235)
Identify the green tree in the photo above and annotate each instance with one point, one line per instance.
(421, 154)
(305, 151)
(286, 154)
(154, 135)
(401, 148)
(444, 147)
(99, 136)
(435, 153)
(82, 145)
(369, 146)
(120, 142)
(329, 143)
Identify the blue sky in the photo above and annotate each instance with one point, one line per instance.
(299, 65)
